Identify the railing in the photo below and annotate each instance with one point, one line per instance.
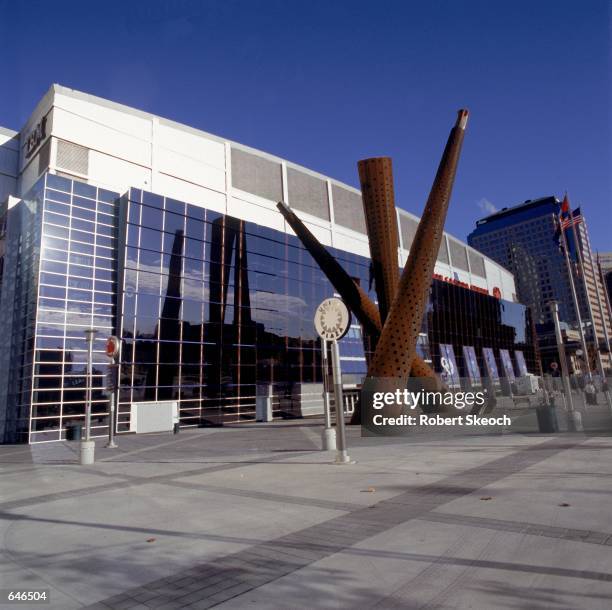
(350, 399)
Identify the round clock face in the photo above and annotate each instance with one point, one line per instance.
(332, 319)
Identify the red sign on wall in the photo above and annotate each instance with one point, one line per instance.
(112, 346)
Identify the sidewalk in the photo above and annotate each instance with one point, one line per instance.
(256, 516)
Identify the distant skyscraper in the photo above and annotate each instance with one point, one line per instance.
(521, 238)
(604, 260)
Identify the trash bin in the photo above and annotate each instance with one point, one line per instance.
(74, 432)
(547, 419)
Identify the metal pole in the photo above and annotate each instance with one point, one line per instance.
(341, 455)
(87, 445)
(574, 421)
(326, 405)
(328, 436)
(90, 333)
(111, 424)
(586, 295)
(114, 370)
(575, 299)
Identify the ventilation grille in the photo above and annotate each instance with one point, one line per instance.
(442, 251)
(307, 193)
(348, 209)
(458, 255)
(256, 175)
(44, 157)
(72, 157)
(477, 265)
(408, 227)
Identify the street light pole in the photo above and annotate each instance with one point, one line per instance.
(90, 333)
(112, 389)
(87, 445)
(574, 421)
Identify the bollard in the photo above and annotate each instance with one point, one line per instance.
(87, 452)
(263, 403)
(328, 439)
(574, 421)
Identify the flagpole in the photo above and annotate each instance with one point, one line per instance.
(580, 260)
(575, 298)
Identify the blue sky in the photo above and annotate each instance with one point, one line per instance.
(325, 83)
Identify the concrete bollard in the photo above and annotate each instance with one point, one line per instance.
(263, 403)
(87, 452)
(574, 422)
(328, 439)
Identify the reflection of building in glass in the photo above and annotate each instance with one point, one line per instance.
(66, 282)
(170, 238)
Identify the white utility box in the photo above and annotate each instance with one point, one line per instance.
(153, 416)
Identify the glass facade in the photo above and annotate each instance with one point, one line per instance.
(209, 307)
(71, 278)
(460, 317)
(214, 306)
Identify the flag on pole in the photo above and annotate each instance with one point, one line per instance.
(561, 223)
(565, 212)
(575, 219)
(566, 219)
(557, 233)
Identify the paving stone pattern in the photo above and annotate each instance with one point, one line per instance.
(213, 583)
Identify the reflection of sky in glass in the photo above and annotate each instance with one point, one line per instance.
(512, 314)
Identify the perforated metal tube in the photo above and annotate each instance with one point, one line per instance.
(396, 347)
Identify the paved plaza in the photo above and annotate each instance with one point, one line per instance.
(256, 516)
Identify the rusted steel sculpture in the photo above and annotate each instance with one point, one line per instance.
(395, 325)
(396, 347)
(352, 293)
(376, 177)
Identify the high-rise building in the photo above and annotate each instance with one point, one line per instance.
(521, 238)
(169, 238)
(604, 263)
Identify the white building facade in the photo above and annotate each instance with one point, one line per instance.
(76, 158)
